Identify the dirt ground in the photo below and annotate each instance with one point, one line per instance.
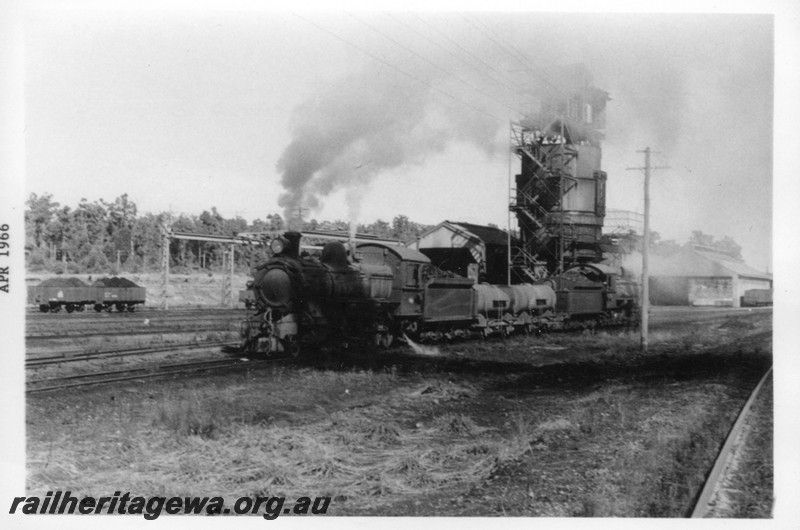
(558, 426)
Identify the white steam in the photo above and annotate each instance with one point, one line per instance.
(420, 349)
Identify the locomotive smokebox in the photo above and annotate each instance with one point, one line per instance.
(276, 288)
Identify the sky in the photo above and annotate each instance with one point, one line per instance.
(373, 114)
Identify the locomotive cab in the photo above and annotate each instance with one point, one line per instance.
(410, 269)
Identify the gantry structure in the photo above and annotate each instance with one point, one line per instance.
(558, 196)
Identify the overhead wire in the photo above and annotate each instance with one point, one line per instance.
(438, 67)
(514, 52)
(515, 88)
(400, 70)
(490, 67)
(484, 63)
(526, 63)
(507, 48)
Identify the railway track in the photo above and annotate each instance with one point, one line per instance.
(70, 381)
(42, 334)
(35, 315)
(724, 464)
(159, 322)
(42, 326)
(160, 330)
(80, 355)
(675, 315)
(138, 373)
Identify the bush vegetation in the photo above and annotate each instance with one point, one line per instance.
(93, 236)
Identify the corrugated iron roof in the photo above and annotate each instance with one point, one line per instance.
(692, 262)
(739, 267)
(490, 235)
(437, 255)
(404, 253)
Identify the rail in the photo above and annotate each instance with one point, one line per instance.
(720, 464)
(141, 373)
(73, 356)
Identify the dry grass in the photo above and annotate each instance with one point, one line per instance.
(229, 443)
(664, 442)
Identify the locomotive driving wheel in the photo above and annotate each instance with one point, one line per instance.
(291, 346)
(384, 330)
(385, 339)
(411, 329)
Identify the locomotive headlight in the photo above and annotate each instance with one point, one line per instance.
(277, 245)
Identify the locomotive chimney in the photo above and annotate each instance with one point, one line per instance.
(293, 248)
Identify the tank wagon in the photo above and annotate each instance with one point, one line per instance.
(72, 294)
(377, 292)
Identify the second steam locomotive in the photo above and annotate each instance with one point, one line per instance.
(377, 292)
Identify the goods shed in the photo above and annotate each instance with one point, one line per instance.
(702, 276)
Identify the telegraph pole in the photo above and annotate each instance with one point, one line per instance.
(646, 246)
(227, 276)
(165, 239)
(298, 223)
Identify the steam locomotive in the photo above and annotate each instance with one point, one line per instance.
(374, 293)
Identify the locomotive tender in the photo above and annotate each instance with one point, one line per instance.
(380, 292)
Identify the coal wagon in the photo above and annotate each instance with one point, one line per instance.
(73, 294)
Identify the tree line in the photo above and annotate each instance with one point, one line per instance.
(667, 247)
(106, 237)
(112, 237)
